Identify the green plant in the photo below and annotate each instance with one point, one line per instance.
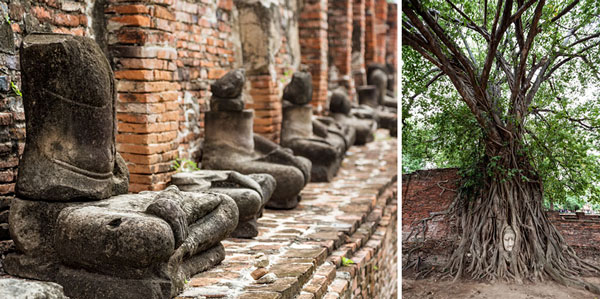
(7, 18)
(184, 165)
(347, 262)
(15, 89)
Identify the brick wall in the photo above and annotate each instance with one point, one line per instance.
(271, 52)
(422, 194)
(370, 34)
(391, 55)
(339, 20)
(381, 29)
(313, 45)
(358, 42)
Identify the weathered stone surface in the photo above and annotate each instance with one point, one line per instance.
(367, 95)
(325, 154)
(299, 90)
(29, 289)
(220, 104)
(230, 85)
(70, 147)
(339, 102)
(7, 40)
(364, 127)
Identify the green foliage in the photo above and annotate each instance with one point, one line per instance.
(7, 18)
(184, 165)
(347, 261)
(561, 125)
(15, 89)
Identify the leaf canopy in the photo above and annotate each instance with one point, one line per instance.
(475, 69)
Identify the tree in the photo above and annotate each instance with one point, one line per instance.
(502, 92)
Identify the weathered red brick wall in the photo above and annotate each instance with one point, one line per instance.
(358, 42)
(381, 29)
(370, 33)
(428, 191)
(391, 54)
(142, 47)
(313, 46)
(339, 19)
(422, 193)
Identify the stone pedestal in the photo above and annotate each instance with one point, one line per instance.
(325, 153)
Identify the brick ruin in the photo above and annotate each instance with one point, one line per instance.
(427, 191)
(165, 54)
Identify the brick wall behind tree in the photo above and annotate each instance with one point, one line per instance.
(314, 44)
(422, 194)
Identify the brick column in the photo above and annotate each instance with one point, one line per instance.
(391, 55)
(204, 54)
(358, 42)
(339, 20)
(370, 34)
(381, 30)
(142, 45)
(313, 46)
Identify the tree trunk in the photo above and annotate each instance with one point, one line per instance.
(511, 196)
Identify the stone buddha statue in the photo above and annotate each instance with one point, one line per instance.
(230, 144)
(303, 136)
(71, 221)
(340, 108)
(385, 105)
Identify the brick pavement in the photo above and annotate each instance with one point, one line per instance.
(354, 216)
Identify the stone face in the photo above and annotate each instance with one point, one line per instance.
(68, 95)
(230, 85)
(299, 90)
(24, 289)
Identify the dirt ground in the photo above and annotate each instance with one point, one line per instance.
(430, 288)
(436, 286)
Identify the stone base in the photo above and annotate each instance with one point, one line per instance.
(324, 172)
(79, 283)
(245, 230)
(284, 205)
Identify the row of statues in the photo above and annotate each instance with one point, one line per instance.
(74, 223)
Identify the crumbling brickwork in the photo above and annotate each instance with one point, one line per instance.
(339, 19)
(358, 42)
(314, 47)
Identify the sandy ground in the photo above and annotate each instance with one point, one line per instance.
(436, 287)
(446, 289)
